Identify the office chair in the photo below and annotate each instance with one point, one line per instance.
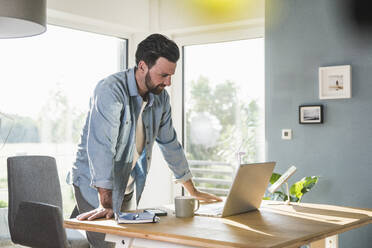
(35, 203)
(39, 225)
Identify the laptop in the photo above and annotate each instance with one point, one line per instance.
(245, 194)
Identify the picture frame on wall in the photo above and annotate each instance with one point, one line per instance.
(335, 82)
(311, 114)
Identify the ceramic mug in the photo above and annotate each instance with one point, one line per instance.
(186, 206)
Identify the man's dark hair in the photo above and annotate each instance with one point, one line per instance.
(155, 46)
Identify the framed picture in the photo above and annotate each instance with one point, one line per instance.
(335, 82)
(311, 114)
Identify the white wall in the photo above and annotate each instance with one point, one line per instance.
(186, 21)
(121, 18)
(129, 14)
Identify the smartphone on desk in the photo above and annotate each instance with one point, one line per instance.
(157, 211)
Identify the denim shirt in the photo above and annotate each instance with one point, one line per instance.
(105, 153)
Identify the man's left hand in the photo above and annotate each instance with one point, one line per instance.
(200, 195)
(206, 197)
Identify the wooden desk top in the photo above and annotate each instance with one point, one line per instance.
(273, 225)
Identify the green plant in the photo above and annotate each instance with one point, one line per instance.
(296, 191)
(3, 204)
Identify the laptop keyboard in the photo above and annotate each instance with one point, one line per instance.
(214, 208)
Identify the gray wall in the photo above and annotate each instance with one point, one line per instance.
(301, 36)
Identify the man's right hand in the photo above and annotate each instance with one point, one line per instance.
(104, 210)
(100, 212)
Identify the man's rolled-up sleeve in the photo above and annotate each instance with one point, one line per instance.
(103, 130)
(172, 150)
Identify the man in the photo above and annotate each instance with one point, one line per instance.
(128, 112)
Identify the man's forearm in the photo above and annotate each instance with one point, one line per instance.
(105, 206)
(189, 186)
(105, 197)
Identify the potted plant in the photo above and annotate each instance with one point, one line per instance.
(296, 191)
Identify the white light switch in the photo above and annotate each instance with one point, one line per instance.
(287, 134)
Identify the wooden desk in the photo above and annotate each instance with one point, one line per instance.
(273, 225)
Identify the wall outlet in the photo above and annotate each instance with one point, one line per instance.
(287, 134)
(331, 242)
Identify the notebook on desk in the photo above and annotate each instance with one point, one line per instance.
(245, 194)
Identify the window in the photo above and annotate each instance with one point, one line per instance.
(224, 109)
(45, 85)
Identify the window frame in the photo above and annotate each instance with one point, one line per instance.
(123, 55)
(251, 30)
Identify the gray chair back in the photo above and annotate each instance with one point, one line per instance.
(31, 179)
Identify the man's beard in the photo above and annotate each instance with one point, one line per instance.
(150, 85)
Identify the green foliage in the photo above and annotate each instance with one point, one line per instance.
(296, 191)
(55, 117)
(3, 204)
(3, 182)
(274, 177)
(303, 186)
(20, 129)
(238, 119)
(58, 122)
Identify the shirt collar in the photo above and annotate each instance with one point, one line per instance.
(133, 90)
(132, 85)
(151, 99)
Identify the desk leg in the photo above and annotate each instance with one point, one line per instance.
(330, 242)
